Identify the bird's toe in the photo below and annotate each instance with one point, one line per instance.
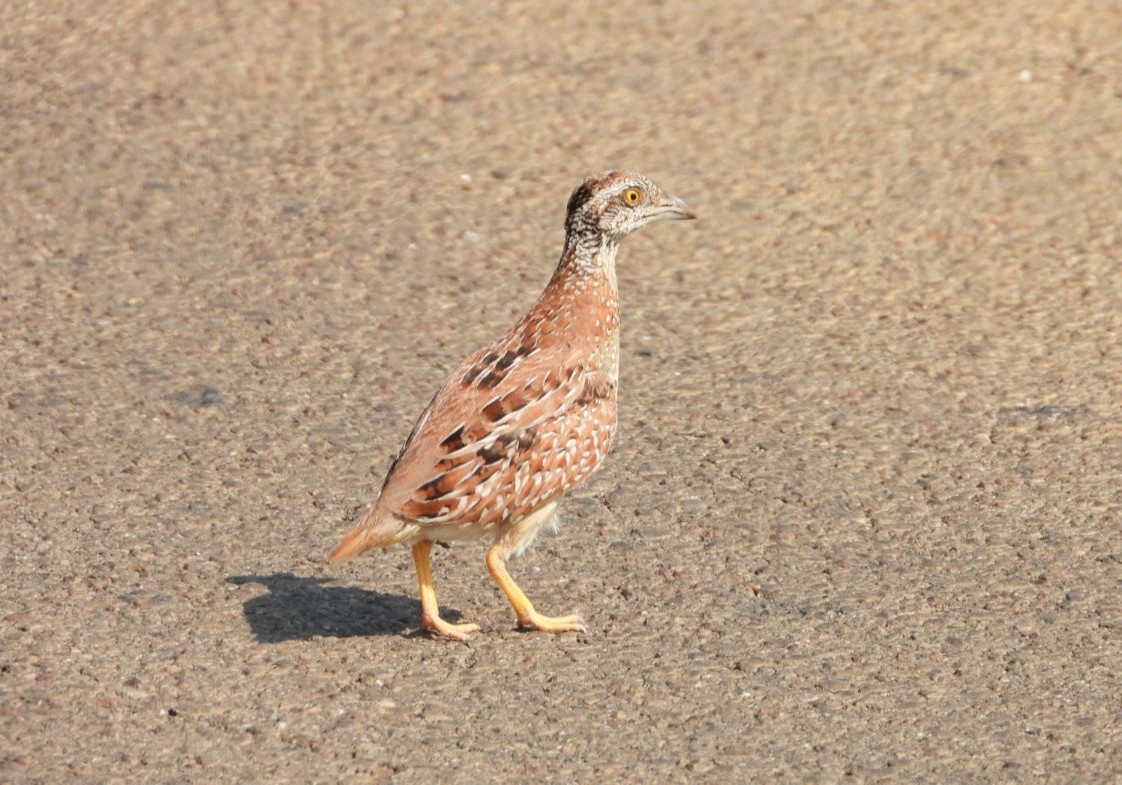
(457, 632)
(571, 623)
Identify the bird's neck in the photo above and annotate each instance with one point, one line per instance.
(579, 309)
(589, 254)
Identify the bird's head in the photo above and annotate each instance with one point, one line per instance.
(617, 203)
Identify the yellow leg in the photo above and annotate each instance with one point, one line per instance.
(430, 612)
(527, 616)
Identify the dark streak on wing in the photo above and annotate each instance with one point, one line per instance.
(491, 379)
(433, 489)
(453, 441)
(492, 368)
(484, 363)
(507, 404)
(494, 411)
(446, 484)
(498, 451)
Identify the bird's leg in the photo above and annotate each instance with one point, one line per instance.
(430, 612)
(527, 616)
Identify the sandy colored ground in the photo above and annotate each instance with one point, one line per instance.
(864, 521)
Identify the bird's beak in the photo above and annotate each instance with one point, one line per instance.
(674, 209)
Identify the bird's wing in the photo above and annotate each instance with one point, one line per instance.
(489, 440)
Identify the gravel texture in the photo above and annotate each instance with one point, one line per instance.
(863, 523)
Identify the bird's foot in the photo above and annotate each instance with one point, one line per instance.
(457, 632)
(536, 621)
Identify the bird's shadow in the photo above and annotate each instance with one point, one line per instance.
(296, 608)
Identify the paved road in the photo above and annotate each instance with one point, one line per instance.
(864, 521)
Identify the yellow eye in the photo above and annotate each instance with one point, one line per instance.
(632, 196)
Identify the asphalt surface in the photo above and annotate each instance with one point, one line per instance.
(863, 523)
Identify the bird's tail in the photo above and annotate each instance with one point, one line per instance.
(358, 541)
(375, 531)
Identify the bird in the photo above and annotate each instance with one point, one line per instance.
(524, 419)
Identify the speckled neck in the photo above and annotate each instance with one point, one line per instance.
(590, 253)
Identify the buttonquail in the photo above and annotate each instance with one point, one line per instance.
(524, 419)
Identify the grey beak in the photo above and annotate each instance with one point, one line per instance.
(675, 209)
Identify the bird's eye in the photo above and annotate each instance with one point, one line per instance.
(632, 196)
